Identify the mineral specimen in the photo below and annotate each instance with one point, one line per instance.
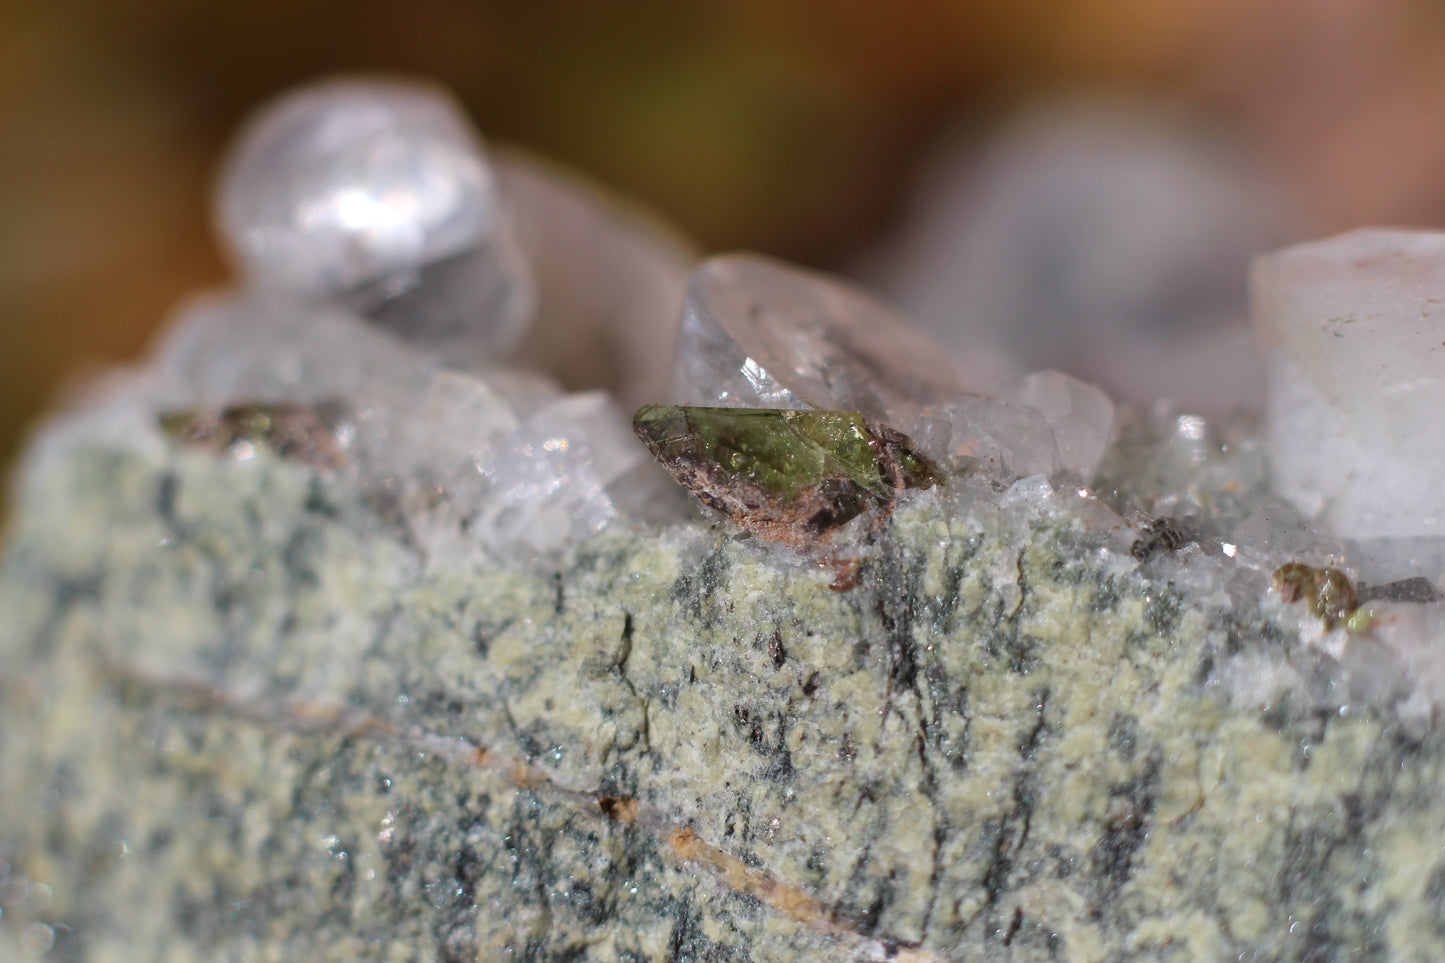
(293, 431)
(610, 282)
(320, 639)
(756, 333)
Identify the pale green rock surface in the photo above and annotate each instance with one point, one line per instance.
(242, 720)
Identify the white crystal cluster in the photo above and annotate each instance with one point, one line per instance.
(469, 322)
(757, 333)
(477, 330)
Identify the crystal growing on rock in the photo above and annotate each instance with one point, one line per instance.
(303, 573)
(377, 194)
(1326, 592)
(1081, 416)
(301, 432)
(549, 477)
(1356, 332)
(502, 461)
(759, 333)
(786, 475)
(984, 433)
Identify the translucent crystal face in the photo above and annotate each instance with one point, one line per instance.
(378, 195)
(610, 281)
(345, 182)
(756, 332)
(1356, 328)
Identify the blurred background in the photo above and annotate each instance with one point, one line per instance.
(1168, 139)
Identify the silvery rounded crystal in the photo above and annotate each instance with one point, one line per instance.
(377, 194)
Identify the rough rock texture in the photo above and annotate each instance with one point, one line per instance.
(242, 720)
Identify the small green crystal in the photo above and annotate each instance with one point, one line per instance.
(787, 475)
(780, 451)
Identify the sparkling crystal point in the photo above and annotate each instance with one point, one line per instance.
(550, 475)
(759, 333)
(378, 195)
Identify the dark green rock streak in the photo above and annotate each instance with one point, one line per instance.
(996, 747)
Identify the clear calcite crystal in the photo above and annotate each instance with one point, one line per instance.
(498, 463)
(1004, 439)
(1355, 326)
(1046, 423)
(610, 281)
(550, 477)
(378, 194)
(231, 348)
(758, 333)
(1080, 415)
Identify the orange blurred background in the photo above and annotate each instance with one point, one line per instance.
(793, 127)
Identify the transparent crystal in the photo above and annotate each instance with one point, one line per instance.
(1080, 415)
(550, 475)
(500, 463)
(240, 348)
(1356, 329)
(610, 282)
(1008, 440)
(759, 333)
(377, 194)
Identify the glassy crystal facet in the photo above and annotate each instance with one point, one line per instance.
(377, 194)
(757, 333)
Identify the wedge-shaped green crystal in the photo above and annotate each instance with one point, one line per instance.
(779, 451)
(790, 476)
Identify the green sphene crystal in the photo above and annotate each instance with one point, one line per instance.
(785, 475)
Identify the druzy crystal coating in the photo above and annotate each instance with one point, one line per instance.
(375, 355)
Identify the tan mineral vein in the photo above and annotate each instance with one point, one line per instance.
(303, 718)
